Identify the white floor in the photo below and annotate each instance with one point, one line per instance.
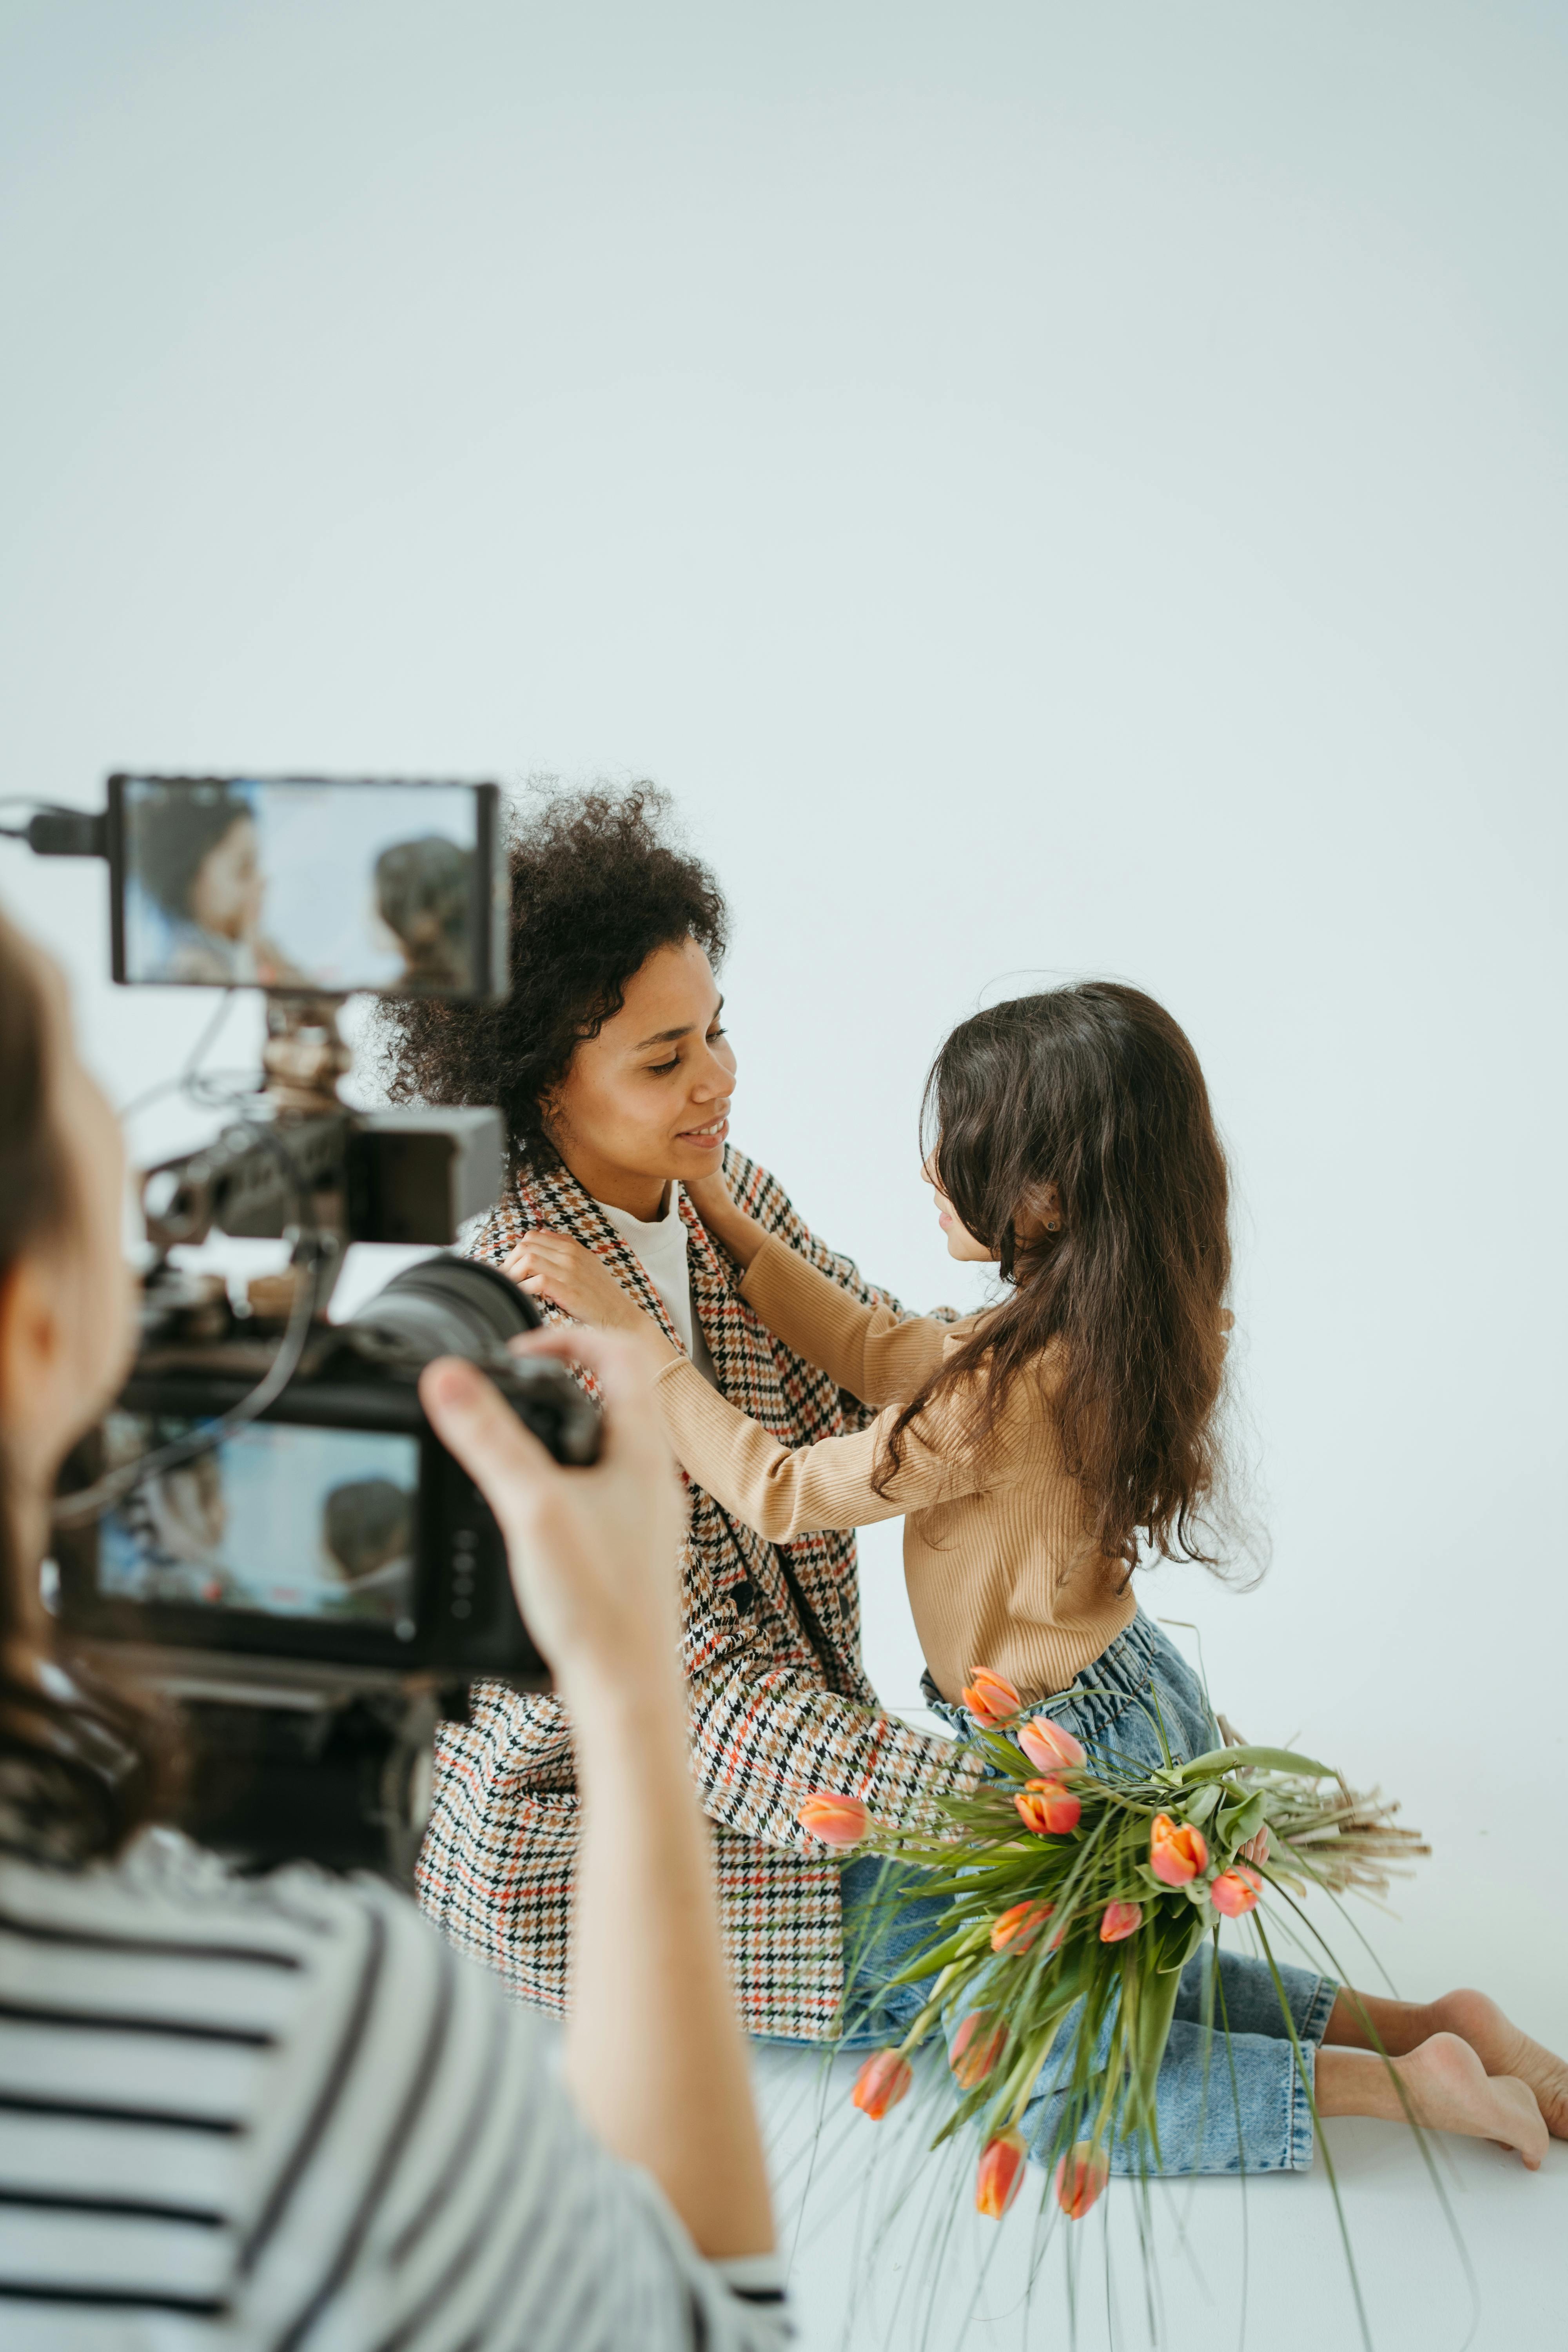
(886, 2248)
(887, 2251)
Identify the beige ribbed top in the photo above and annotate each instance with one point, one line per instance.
(1001, 1568)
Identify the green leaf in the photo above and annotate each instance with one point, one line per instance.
(1220, 1761)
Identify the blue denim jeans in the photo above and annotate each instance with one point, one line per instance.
(1223, 2106)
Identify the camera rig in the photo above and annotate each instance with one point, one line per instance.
(309, 1709)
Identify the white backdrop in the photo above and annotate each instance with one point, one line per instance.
(1050, 491)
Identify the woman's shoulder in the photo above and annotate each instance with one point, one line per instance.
(531, 1197)
(758, 1190)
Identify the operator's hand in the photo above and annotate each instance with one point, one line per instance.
(593, 1551)
(553, 1266)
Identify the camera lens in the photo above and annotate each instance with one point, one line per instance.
(455, 1306)
(449, 1307)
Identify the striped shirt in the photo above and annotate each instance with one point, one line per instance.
(282, 2113)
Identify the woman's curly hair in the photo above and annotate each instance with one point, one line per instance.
(595, 888)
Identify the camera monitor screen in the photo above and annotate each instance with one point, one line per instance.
(318, 885)
(280, 1520)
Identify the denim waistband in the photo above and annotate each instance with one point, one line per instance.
(1097, 1695)
(1100, 1696)
(1140, 1669)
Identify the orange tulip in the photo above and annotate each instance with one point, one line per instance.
(1177, 1852)
(1235, 1890)
(1001, 2174)
(1017, 1928)
(1045, 1743)
(1081, 2177)
(837, 1821)
(990, 1699)
(1120, 1920)
(881, 2082)
(976, 2046)
(1047, 1807)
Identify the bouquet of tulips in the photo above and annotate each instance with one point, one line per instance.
(1071, 1899)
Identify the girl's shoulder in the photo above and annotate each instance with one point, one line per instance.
(1027, 1402)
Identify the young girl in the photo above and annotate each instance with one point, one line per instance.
(1035, 1451)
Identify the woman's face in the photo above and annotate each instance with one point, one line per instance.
(225, 896)
(648, 1100)
(67, 1323)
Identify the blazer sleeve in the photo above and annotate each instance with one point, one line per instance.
(788, 1491)
(863, 1345)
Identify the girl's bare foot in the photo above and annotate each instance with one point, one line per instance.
(1451, 2091)
(1447, 2087)
(1502, 2049)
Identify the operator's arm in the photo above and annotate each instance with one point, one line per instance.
(654, 2052)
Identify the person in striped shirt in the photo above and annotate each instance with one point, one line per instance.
(282, 2112)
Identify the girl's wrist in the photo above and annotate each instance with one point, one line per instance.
(741, 1235)
(724, 1219)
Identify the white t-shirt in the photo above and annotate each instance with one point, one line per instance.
(661, 1246)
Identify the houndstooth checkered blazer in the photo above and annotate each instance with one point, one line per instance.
(780, 1705)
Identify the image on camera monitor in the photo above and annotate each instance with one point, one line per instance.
(269, 884)
(283, 1521)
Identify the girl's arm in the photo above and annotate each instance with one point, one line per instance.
(789, 1491)
(877, 1355)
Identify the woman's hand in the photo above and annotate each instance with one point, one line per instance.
(552, 1265)
(740, 1235)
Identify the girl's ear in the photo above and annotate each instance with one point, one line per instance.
(1039, 1213)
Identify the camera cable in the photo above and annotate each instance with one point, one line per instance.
(313, 1253)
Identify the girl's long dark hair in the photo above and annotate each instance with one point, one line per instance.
(81, 1765)
(1096, 1089)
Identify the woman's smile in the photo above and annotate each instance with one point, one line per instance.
(706, 1138)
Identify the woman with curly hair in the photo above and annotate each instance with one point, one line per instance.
(609, 1062)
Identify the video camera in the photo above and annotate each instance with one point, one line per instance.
(265, 1527)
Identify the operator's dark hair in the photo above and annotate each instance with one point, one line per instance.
(596, 887)
(82, 1764)
(1096, 1089)
(173, 828)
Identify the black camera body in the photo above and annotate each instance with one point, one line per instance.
(318, 1589)
(417, 1581)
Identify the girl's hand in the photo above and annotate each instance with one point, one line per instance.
(552, 1265)
(741, 1235)
(1255, 1850)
